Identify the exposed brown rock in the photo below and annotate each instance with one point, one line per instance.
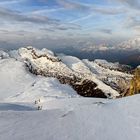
(86, 88)
(135, 83)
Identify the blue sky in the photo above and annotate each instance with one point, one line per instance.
(57, 23)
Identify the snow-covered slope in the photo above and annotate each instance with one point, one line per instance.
(44, 89)
(17, 84)
(14, 78)
(33, 80)
(73, 119)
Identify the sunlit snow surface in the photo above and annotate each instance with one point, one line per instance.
(64, 115)
(73, 119)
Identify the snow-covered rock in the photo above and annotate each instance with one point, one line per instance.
(67, 69)
(110, 74)
(112, 66)
(3, 55)
(93, 79)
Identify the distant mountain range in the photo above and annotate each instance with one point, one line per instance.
(132, 44)
(127, 52)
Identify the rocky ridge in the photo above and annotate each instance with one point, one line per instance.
(97, 78)
(45, 63)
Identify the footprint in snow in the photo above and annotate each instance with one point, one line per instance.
(67, 113)
(99, 103)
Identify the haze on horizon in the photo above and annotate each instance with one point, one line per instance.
(55, 23)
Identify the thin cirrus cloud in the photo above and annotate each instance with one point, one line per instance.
(62, 27)
(133, 23)
(7, 14)
(91, 8)
(106, 31)
(132, 3)
(68, 18)
(10, 15)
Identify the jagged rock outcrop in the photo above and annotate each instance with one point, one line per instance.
(110, 74)
(45, 63)
(88, 88)
(134, 85)
(120, 84)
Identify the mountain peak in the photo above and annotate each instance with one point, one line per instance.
(130, 44)
(67, 69)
